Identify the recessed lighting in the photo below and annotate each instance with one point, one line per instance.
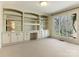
(43, 3)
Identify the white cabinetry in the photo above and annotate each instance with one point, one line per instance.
(19, 36)
(13, 37)
(26, 36)
(20, 26)
(44, 33)
(39, 35)
(6, 37)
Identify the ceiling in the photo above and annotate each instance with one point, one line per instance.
(53, 6)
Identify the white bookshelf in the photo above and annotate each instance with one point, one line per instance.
(30, 21)
(25, 25)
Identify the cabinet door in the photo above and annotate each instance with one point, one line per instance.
(13, 37)
(43, 33)
(20, 36)
(26, 36)
(6, 38)
(39, 35)
(46, 34)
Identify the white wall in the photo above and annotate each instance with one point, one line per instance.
(1, 21)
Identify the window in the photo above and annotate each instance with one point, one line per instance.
(64, 25)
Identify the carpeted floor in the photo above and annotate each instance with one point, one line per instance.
(41, 48)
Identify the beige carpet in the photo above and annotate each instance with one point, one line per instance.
(41, 48)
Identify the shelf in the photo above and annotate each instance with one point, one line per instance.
(44, 22)
(25, 21)
(31, 18)
(30, 24)
(13, 15)
(13, 20)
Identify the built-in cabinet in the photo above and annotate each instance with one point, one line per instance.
(30, 22)
(6, 38)
(21, 26)
(12, 20)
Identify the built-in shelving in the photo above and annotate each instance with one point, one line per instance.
(30, 21)
(13, 20)
(20, 26)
